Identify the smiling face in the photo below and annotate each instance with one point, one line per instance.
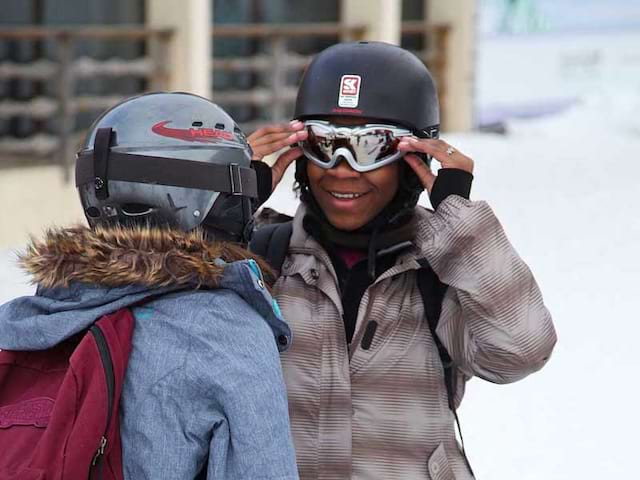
(348, 198)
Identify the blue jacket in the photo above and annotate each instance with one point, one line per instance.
(203, 386)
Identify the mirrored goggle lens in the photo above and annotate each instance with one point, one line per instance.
(368, 148)
(374, 147)
(320, 144)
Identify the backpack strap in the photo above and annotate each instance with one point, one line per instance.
(271, 242)
(432, 291)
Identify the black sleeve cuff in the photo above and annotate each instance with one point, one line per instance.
(264, 178)
(450, 181)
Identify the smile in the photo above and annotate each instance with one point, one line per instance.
(346, 195)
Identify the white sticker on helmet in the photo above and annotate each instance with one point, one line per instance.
(349, 91)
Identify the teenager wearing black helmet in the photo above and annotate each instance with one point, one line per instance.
(168, 191)
(393, 306)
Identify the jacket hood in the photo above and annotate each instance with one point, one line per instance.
(119, 256)
(83, 274)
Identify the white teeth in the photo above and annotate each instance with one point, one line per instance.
(346, 195)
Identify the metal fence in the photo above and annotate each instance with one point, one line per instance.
(280, 65)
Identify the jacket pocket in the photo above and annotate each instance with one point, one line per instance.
(439, 468)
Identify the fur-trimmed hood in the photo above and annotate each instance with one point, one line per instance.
(118, 256)
(199, 357)
(83, 274)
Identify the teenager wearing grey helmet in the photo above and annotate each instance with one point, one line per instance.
(393, 306)
(166, 183)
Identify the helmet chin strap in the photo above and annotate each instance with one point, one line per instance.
(101, 150)
(249, 222)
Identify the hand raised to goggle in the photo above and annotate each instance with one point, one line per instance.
(441, 151)
(272, 138)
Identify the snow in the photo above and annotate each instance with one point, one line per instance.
(525, 75)
(565, 189)
(12, 282)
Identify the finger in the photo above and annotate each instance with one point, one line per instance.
(436, 143)
(269, 138)
(439, 150)
(269, 148)
(282, 163)
(421, 169)
(428, 146)
(289, 128)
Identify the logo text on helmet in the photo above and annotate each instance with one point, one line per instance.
(206, 135)
(349, 94)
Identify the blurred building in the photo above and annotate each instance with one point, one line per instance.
(540, 57)
(62, 62)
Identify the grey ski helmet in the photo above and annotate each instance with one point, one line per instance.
(172, 159)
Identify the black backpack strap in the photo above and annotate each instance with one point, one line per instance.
(271, 242)
(432, 291)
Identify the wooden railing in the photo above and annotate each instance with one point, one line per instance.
(435, 40)
(65, 71)
(278, 95)
(281, 65)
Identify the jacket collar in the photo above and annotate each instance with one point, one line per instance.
(303, 243)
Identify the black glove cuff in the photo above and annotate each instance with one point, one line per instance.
(450, 181)
(265, 180)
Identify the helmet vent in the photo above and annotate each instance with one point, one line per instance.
(220, 126)
(136, 209)
(92, 212)
(197, 123)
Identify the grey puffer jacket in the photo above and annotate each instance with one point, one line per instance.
(382, 413)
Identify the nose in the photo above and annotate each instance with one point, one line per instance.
(342, 169)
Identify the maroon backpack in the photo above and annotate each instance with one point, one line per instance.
(59, 407)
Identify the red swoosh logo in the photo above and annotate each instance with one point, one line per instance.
(203, 135)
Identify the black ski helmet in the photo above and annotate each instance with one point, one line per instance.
(172, 159)
(372, 80)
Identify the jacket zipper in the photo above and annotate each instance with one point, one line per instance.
(107, 363)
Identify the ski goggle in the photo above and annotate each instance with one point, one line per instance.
(364, 147)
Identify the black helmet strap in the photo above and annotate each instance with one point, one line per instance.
(229, 178)
(101, 148)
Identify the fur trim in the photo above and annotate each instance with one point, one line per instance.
(119, 256)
